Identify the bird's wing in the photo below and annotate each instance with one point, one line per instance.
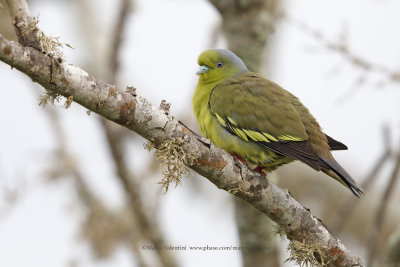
(258, 110)
(334, 144)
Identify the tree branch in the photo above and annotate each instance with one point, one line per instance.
(137, 114)
(342, 49)
(22, 21)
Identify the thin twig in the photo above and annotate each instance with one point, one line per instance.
(348, 206)
(66, 166)
(116, 43)
(381, 212)
(9, 197)
(148, 228)
(342, 49)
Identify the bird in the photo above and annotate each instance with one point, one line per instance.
(258, 122)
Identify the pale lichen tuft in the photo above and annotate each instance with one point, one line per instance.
(278, 231)
(149, 146)
(304, 254)
(68, 101)
(47, 97)
(50, 45)
(174, 160)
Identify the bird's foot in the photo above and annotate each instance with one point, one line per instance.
(258, 169)
(240, 159)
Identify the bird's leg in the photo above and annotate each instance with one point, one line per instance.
(258, 169)
(240, 159)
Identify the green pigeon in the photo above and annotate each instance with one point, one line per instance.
(259, 122)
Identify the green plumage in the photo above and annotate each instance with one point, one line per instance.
(258, 121)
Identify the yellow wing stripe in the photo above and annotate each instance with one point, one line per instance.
(232, 121)
(270, 137)
(287, 137)
(250, 134)
(220, 120)
(256, 136)
(240, 133)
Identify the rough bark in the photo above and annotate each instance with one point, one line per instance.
(137, 114)
(21, 19)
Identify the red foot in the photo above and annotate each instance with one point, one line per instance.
(240, 158)
(258, 169)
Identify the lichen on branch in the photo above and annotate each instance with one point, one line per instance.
(304, 254)
(174, 160)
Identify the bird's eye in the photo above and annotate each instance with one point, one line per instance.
(219, 65)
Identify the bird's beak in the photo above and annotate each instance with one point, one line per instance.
(202, 69)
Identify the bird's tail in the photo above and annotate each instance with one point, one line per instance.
(338, 173)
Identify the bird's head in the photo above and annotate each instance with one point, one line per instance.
(219, 64)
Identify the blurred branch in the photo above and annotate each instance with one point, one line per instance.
(342, 49)
(257, 236)
(348, 206)
(101, 228)
(385, 156)
(137, 114)
(66, 164)
(381, 213)
(393, 255)
(122, 16)
(247, 26)
(247, 22)
(9, 197)
(146, 228)
(6, 26)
